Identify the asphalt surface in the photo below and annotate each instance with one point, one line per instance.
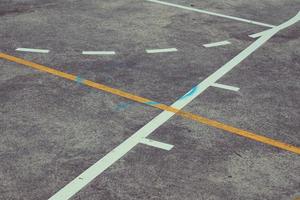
(52, 129)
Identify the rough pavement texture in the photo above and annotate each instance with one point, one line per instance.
(52, 129)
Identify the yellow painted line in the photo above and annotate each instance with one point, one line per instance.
(149, 102)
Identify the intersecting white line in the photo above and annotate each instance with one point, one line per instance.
(157, 144)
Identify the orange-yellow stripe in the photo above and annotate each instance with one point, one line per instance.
(136, 98)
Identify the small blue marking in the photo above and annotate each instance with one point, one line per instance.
(79, 80)
(152, 103)
(122, 106)
(190, 93)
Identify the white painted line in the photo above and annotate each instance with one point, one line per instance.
(226, 87)
(212, 13)
(277, 28)
(118, 152)
(157, 144)
(161, 50)
(216, 44)
(256, 35)
(33, 50)
(98, 53)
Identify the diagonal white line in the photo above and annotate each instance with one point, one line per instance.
(212, 13)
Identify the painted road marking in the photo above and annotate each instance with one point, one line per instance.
(212, 13)
(190, 93)
(96, 169)
(157, 144)
(33, 50)
(169, 109)
(217, 44)
(152, 103)
(122, 106)
(79, 80)
(118, 152)
(280, 27)
(98, 53)
(161, 50)
(226, 87)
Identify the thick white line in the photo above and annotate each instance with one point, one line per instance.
(157, 144)
(118, 152)
(216, 44)
(98, 53)
(212, 13)
(226, 87)
(33, 50)
(161, 50)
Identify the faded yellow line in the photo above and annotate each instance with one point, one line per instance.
(136, 98)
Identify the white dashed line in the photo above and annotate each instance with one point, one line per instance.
(226, 87)
(33, 50)
(98, 53)
(216, 44)
(161, 50)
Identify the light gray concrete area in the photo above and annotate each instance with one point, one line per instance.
(52, 129)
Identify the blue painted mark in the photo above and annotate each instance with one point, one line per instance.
(152, 103)
(122, 106)
(79, 80)
(190, 93)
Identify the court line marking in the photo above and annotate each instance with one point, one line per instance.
(161, 50)
(211, 13)
(280, 27)
(98, 52)
(226, 87)
(156, 144)
(217, 44)
(33, 50)
(118, 152)
(259, 34)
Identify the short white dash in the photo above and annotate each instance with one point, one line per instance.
(161, 50)
(226, 87)
(157, 144)
(216, 44)
(98, 53)
(33, 50)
